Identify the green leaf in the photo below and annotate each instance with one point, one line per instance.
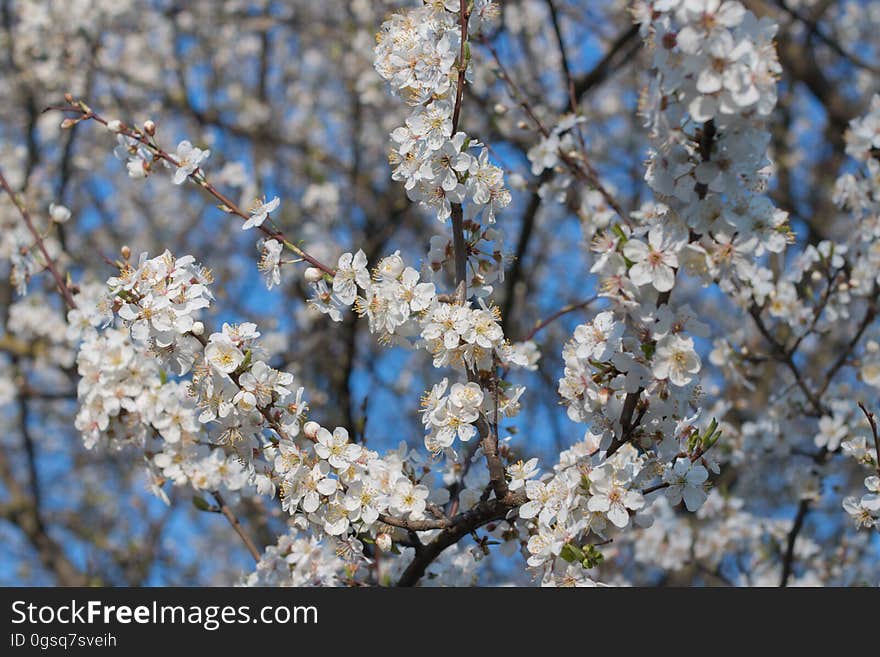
(592, 557)
(201, 504)
(572, 553)
(711, 435)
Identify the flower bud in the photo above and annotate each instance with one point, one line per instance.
(115, 125)
(383, 542)
(69, 97)
(59, 213)
(310, 429)
(125, 251)
(197, 328)
(313, 274)
(149, 127)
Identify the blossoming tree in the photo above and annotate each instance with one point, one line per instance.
(533, 291)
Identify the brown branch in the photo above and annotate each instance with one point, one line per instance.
(236, 525)
(414, 525)
(604, 67)
(464, 14)
(460, 252)
(870, 315)
(489, 444)
(583, 170)
(559, 313)
(788, 559)
(785, 357)
(460, 526)
(197, 176)
(63, 290)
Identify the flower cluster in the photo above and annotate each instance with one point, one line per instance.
(390, 298)
(342, 489)
(715, 83)
(723, 58)
(299, 561)
(449, 416)
(238, 423)
(211, 410)
(632, 372)
(588, 497)
(419, 52)
(206, 432)
(462, 336)
(162, 297)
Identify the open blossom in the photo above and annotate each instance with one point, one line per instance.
(465, 400)
(335, 448)
(520, 472)
(544, 154)
(260, 212)
(135, 155)
(418, 296)
(362, 498)
(449, 162)
(865, 512)
(270, 262)
(446, 323)
(409, 499)
(432, 123)
(612, 496)
(351, 273)
(433, 195)
(675, 359)
(327, 301)
(598, 339)
(222, 354)
(831, 431)
(686, 481)
(263, 381)
(188, 158)
(654, 261)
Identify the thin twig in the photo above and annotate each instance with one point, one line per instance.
(236, 525)
(873, 423)
(583, 170)
(196, 176)
(50, 264)
(559, 313)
